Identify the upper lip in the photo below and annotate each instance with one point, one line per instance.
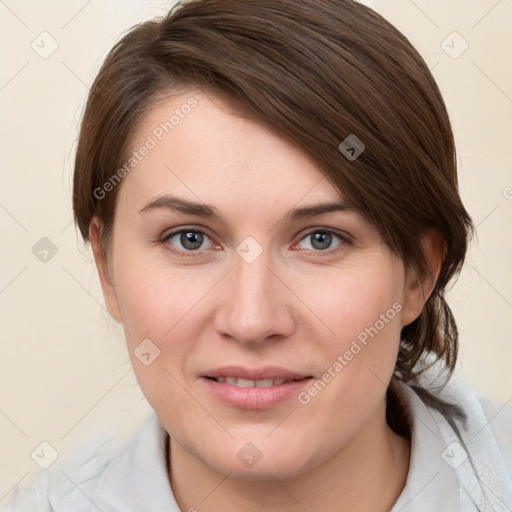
(267, 372)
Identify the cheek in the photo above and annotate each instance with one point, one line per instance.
(157, 308)
(357, 301)
(167, 306)
(157, 299)
(359, 337)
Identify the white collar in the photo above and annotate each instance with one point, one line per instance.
(448, 473)
(431, 484)
(137, 479)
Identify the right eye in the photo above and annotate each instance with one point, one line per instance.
(188, 241)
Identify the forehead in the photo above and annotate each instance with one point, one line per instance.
(200, 148)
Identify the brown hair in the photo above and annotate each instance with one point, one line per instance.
(318, 71)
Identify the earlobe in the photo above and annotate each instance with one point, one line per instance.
(104, 273)
(419, 288)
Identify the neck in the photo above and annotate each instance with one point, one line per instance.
(368, 474)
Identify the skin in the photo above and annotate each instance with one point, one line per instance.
(295, 306)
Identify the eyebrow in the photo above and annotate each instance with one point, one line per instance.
(183, 206)
(177, 204)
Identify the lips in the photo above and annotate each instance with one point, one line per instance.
(259, 388)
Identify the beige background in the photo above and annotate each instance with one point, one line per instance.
(64, 372)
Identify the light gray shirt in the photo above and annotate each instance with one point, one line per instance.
(444, 474)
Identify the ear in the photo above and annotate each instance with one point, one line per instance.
(419, 288)
(105, 275)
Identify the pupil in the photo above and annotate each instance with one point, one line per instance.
(191, 240)
(321, 240)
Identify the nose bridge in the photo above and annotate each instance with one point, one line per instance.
(254, 307)
(252, 281)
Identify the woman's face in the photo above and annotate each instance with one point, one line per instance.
(262, 317)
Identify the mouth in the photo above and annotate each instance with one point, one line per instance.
(249, 383)
(262, 388)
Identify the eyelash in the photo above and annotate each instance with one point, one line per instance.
(345, 239)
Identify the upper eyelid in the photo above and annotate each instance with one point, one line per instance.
(176, 231)
(338, 232)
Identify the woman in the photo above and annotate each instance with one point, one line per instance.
(270, 191)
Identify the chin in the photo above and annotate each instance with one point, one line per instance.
(272, 461)
(271, 470)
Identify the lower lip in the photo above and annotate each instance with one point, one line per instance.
(255, 397)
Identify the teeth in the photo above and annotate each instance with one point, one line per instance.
(264, 383)
(248, 383)
(244, 383)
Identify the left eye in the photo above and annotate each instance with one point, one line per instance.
(322, 240)
(189, 239)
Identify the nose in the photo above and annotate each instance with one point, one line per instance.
(255, 305)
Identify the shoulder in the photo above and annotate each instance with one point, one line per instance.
(67, 485)
(113, 474)
(469, 455)
(499, 420)
(487, 427)
(484, 418)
